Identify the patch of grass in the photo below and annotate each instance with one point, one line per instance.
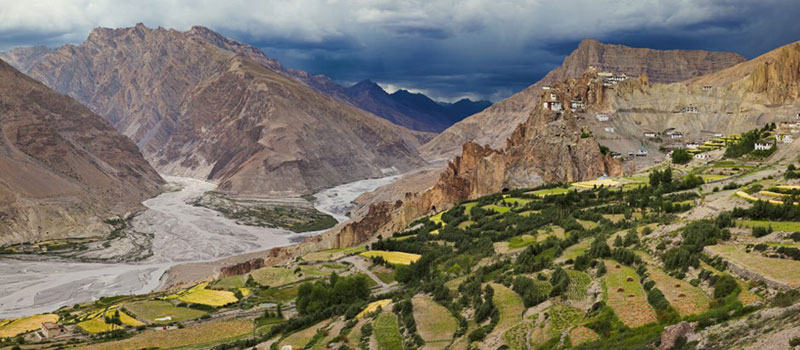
(684, 297)
(548, 191)
(437, 219)
(780, 270)
(434, 321)
(595, 183)
(200, 295)
(562, 317)
(625, 295)
(496, 208)
(385, 274)
(778, 226)
(229, 282)
(466, 224)
(521, 241)
(530, 212)
(576, 250)
(299, 339)
(588, 224)
(468, 206)
(312, 271)
(516, 337)
(550, 230)
(386, 332)
(518, 201)
(712, 177)
(333, 254)
(279, 295)
(578, 284)
(274, 276)
(18, 326)
(150, 310)
(615, 218)
(396, 258)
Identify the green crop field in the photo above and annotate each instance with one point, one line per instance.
(386, 332)
(625, 295)
(779, 226)
(150, 310)
(299, 339)
(496, 208)
(548, 192)
(518, 201)
(274, 276)
(509, 304)
(333, 254)
(588, 224)
(578, 284)
(199, 336)
(229, 282)
(562, 317)
(577, 249)
(521, 241)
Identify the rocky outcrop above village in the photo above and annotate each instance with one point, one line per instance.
(64, 171)
(494, 125)
(201, 105)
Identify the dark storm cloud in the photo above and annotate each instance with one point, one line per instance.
(446, 48)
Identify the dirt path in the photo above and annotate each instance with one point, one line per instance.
(362, 265)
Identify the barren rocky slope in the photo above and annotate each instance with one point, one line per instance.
(205, 106)
(495, 124)
(63, 169)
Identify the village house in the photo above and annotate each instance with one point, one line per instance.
(692, 145)
(785, 138)
(690, 109)
(675, 135)
(701, 156)
(642, 152)
(762, 146)
(52, 330)
(616, 155)
(576, 105)
(797, 116)
(719, 134)
(609, 129)
(650, 134)
(602, 117)
(706, 87)
(553, 96)
(545, 88)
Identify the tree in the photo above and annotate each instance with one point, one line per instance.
(681, 156)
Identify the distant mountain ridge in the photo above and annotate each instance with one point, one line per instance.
(63, 169)
(201, 105)
(412, 110)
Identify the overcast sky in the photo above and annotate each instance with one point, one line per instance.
(485, 49)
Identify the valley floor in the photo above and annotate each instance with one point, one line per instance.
(181, 233)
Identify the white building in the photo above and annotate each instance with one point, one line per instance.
(602, 117)
(690, 109)
(610, 129)
(706, 87)
(701, 156)
(762, 146)
(553, 106)
(692, 145)
(649, 134)
(553, 96)
(616, 155)
(641, 152)
(675, 135)
(719, 134)
(576, 105)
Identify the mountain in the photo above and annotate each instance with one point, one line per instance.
(201, 105)
(63, 169)
(412, 110)
(23, 58)
(495, 124)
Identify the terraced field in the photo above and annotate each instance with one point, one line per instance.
(496, 208)
(510, 306)
(576, 250)
(332, 254)
(578, 284)
(299, 339)
(434, 322)
(200, 295)
(373, 306)
(548, 192)
(386, 332)
(781, 270)
(396, 258)
(157, 311)
(203, 335)
(684, 297)
(274, 276)
(581, 334)
(778, 226)
(625, 295)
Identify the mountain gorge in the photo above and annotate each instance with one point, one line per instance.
(64, 171)
(201, 105)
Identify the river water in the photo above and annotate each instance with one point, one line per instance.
(182, 233)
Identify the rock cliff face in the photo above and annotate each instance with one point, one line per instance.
(495, 124)
(549, 147)
(771, 78)
(201, 105)
(63, 169)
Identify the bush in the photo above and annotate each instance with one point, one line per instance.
(724, 285)
(681, 156)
